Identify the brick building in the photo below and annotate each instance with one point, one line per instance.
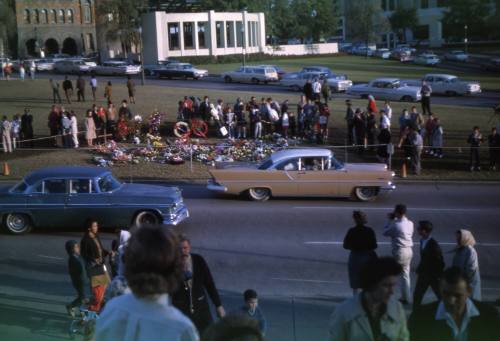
(55, 26)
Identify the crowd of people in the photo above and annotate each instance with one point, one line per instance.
(155, 285)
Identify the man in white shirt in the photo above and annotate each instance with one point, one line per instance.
(400, 229)
(316, 90)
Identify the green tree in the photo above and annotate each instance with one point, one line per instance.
(122, 19)
(493, 22)
(8, 29)
(365, 21)
(314, 19)
(403, 19)
(473, 13)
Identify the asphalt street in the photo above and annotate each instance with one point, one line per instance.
(289, 250)
(486, 99)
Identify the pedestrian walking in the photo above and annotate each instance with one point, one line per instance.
(466, 259)
(494, 148)
(426, 91)
(457, 316)
(373, 314)
(475, 139)
(431, 266)
(68, 89)
(22, 71)
(6, 128)
(400, 229)
(94, 255)
(15, 131)
(32, 69)
(388, 109)
(437, 139)
(285, 124)
(241, 122)
(360, 130)
(90, 134)
(80, 89)
(152, 271)
(93, 86)
(251, 310)
(78, 275)
(325, 91)
(349, 118)
(74, 129)
(316, 88)
(362, 243)
(108, 92)
(54, 123)
(54, 85)
(131, 89)
(197, 282)
(27, 128)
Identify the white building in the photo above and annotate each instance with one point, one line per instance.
(202, 34)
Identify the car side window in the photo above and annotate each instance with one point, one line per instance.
(81, 186)
(289, 165)
(54, 186)
(313, 163)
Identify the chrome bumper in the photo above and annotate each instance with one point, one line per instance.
(389, 187)
(177, 217)
(213, 186)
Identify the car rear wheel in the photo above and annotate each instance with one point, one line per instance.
(407, 98)
(450, 93)
(259, 194)
(366, 193)
(255, 81)
(144, 218)
(17, 223)
(296, 88)
(227, 79)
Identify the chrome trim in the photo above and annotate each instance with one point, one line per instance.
(178, 217)
(388, 188)
(214, 186)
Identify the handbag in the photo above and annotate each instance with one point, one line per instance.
(94, 269)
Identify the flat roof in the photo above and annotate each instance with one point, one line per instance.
(65, 172)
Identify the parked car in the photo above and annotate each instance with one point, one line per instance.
(117, 68)
(180, 70)
(296, 81)
(45, 64)
(362, 51)
(149, 68)
(448, 85)
(69, 195)
(311, 172)
(252, 74)
(278, 69)
(72, 66)
(427, 59)
(402, 55)
(456, 56)
(387, 89)
(406, 47)
(382, 53)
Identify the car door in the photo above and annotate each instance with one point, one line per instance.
(314, 178)
(439, 85)
(284, 177)
(84, 201)
(47, 202)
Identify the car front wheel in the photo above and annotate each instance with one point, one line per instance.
(407, 99)
(227, 79)
(259, 194)
(144, 218)
(17, 223)
(366, 193)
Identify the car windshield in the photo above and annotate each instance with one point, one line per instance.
(266, 163)
(108, 183)
(19, 188)
(335, 164)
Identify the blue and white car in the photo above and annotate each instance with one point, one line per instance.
(69, 195)
(428, 59)
(392, 89)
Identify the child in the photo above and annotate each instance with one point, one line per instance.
(78, 274)
(251, 309)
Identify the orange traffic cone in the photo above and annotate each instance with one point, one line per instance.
(6, 169)
(403, 170)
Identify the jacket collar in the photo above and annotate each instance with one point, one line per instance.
(357, 311)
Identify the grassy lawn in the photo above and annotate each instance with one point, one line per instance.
(15, 96)
(361, 69)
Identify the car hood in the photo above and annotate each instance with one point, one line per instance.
(365, 167)
(149, 191)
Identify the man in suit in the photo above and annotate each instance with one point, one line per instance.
(431, 265)
(190, 297)
(456, 316)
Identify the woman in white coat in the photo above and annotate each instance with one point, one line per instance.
(466, 259)
(74, 129)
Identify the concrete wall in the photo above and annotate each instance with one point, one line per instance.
(300, 50)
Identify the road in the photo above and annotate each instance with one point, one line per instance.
(487, 99)
(289, 250)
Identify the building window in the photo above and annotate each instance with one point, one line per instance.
(173, 36)
(188, 35)
(201, 35)
(43, 16)
(90, 42)
(229, 33)
(87, 15)
(37, 16)
(27, 16)
(53, 16)
(69, 16)
(219, 29)
(254, 33)
(249, 34)
(239, 34)
(61, 16)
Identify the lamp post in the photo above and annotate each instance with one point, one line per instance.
(243, 43)
(139, 30)
(465, 39)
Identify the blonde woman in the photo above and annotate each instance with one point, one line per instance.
(90, 134)
(466, 259)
